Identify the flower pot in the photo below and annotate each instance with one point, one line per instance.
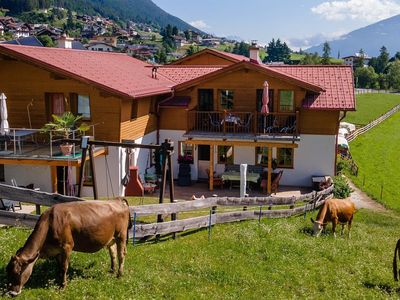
(66, 149)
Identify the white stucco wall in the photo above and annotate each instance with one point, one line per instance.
(40, 176)
(314, 156)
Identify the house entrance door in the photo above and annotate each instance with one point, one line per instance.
(203, 161)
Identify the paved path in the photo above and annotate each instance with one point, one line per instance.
(362, 200)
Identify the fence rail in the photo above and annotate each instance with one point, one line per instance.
(371, 125)
(256, 207)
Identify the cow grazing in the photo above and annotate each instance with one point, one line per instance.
(337, 211)
(396, 253)
(86, 226)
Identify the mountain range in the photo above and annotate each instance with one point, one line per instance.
(370, 38)
(136, 10)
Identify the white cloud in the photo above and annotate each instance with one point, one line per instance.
(200, 24)
(366, 10)
(313, 40)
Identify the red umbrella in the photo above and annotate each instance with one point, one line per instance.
(265, 99)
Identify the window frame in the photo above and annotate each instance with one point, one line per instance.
(256, 158)
(90, 107)
(182, 145)
(271, 95)
(221, 95)
(134, 105)
(74, 105)
(226, 162)
(283, 166)
(293, 100)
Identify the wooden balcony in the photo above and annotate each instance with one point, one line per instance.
(254, 124)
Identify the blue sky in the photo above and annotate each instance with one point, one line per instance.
(301, 23)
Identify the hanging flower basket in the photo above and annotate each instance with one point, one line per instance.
(185, 159)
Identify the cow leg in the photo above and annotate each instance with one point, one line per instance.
(334, 222)
(113, 255)
(349, 225)
(342, 231)
(121, 249)
(65, 262)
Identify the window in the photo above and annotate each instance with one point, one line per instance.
(285, 157)
(225, 155)
(185, 149)
(134, 110)
(80, 105)
(226, 97)
(262, 156)
(84, 107)
(270, 102)
(286, 101)
(55, 104)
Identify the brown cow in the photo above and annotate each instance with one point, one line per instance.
(86, 226)
(335, 211)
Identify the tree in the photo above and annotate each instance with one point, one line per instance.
(278, 51)
(326, 55)
(359, 60)
(161, 56)
(192, 50)
(311, 59)
(46, 41)
(187, 35)
(393, 74)
(383, 60)
(241, 48)
(366, 77)
(175, 30)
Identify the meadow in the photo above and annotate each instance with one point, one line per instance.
(371, 107)
(377, 156)
(274, 259)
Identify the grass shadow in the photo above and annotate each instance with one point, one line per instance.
(386, 288)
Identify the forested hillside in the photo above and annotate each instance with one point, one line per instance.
(137, 10)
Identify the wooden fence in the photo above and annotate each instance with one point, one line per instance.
(250, 208)
(371, 125)
(373, 91)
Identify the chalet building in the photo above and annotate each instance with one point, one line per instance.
(209, 104)
(101, 46)
(351, 60)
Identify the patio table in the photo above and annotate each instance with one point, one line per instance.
(235, 176)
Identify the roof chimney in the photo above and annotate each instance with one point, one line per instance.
(255, 54)
(65, 42)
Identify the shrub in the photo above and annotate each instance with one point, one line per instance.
(342, 165)
(341, 189)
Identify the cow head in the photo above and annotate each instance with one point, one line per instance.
(18, 271)
(317, 227)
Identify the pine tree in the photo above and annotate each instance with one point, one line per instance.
(382, 61)
(326, 54)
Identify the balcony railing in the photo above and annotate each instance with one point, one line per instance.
(34, 143)
(243, 123)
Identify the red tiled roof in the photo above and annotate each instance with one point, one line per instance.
(116, 73)
(180, 74)
(177, 101)
(227, 55)
(337, 81)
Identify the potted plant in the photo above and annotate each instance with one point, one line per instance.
(64, 125)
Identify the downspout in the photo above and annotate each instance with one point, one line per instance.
(336, 144)
(158, 117)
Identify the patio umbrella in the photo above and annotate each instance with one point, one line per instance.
(265, 100)
(4, 127)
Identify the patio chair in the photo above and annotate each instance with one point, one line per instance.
(217, 180)
(271, 124)
(275, 182)
(290, 126)
(214, 123)
(246, 125)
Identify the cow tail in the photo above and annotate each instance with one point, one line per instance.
(396, 252)
(130, 217)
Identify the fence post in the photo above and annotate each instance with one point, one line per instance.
(259, 216)
(209, 225)
(134, 228)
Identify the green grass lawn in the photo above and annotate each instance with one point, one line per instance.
(277, 259)
(377, 155)
(371, 107)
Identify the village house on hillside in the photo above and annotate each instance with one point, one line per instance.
(210, 104)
